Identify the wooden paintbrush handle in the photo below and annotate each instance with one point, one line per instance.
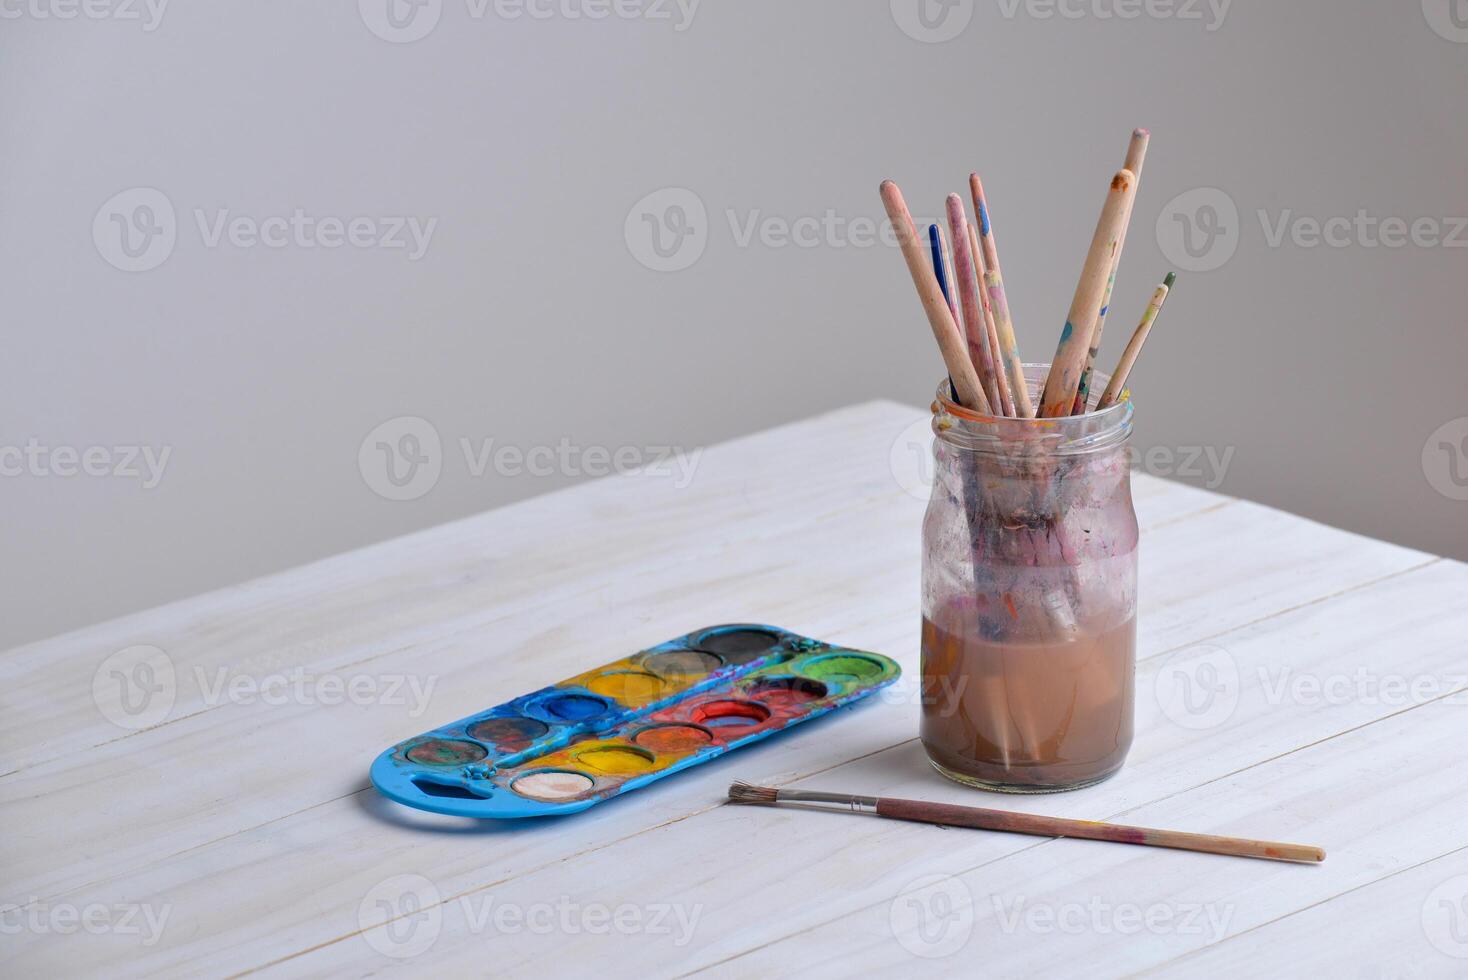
(994, 286)
(945, 331)
(1026, 823)
(1001, 374)
(1136, 154)
(976, 334)
(1059, 395)
(1134, 346)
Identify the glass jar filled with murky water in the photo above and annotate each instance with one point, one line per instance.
(1029, 598)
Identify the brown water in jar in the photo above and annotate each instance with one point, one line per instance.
(1027, 715)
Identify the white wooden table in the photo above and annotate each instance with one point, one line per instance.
(1296, 682)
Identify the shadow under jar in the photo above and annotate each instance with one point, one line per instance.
(1029, 597)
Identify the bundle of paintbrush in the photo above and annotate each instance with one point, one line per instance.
(1019, 518)
(961, 286)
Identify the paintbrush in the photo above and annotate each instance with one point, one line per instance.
(945, 330)
(1134, 347)
(1027, 823)
(1001, 374)
(1075, 340)
(940, 270)
(938, 248)
(1136, 155)
(1014, 368)
(976, 334)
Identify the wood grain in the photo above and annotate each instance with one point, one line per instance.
(251, 823)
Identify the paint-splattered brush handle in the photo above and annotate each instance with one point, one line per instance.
(976, 335)
(1134, 347)
(1001, 371)
(941, 265)
(1027, 823)
(998, 302)
(1136, 156)
(945, 330)
(1075, 340)
(938, 249)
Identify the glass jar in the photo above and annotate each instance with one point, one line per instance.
(1029, 597)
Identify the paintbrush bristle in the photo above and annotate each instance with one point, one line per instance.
(745, 793)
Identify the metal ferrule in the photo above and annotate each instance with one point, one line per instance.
(856, 804)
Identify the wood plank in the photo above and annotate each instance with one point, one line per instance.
(206, 746)
(1335, 790)
(1245, 562)
(771, 579)
(1364, 787)
(330, 848)
(1417, 918)
(494, 582)
(1312, 772)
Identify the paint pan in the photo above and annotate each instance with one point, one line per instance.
(599, 734)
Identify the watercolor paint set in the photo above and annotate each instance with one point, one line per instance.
(610, 730)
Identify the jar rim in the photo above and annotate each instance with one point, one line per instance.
(1067, 435)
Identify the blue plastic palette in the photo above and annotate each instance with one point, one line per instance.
(610, 730)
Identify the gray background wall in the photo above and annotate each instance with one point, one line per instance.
(532, 317)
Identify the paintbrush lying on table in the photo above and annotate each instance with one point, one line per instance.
(1028, 823)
